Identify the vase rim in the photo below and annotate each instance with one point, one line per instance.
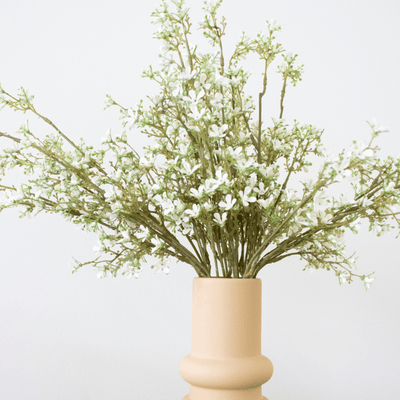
(227, 279)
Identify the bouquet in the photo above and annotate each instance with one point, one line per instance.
(213, 191)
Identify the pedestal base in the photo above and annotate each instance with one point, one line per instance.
(198, 393)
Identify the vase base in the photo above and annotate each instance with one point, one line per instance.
(199, 393)
(187, 397)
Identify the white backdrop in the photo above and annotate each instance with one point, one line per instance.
(75, 337)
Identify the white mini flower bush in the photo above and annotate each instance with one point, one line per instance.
(212, 174)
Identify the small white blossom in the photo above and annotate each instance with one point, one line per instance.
(390, 186)
(228, 203)
(343, 275)
(193, 213)
(222, 178)
(269, 172)
(245, 196)
(368, 281)
(243, 164)
(143, 234)
(319, 201)
(216, 101)
(193, 98)
(325, 218)
(262, 190)
(186, 74)
(217, 131)
(157, 242)
(220, 79)
(265, 203)
(161, 265)
(208, 206)
(220, 220)
(196, 114)
(197, 192)
(187, 169)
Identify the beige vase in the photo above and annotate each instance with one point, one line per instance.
(226, 361)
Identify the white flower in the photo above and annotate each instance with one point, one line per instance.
(245, 196)
(108, 137)
(203, 78)
(237, 153)
(368, 281)
(161, 163)
(377, 229)
(185, 74)
(197, 193)
(278, 145)
(248, 105)
(341, 169)
(325, 218)
(319, 202)
(130, 119)
(193, 98)
(98, 248)
(377, 128)
(193, 213)
(157, 242)
(360, 150)
(222, 178)
(211, 185)
(187, 169)
(243, 164)
(308, 184)
(365, 202)
(208, 206)
(390, 187)
(273, 25)
(250, 151)
(126, 236)
(177, 88)
(253, 180)
(344, 199)
(218, 132)
(220, 79)
(102, 274)
(220, 220)
(268, 172)
(161, 265)
(313, 217)
(292, 230)
(143, 234)
(265, 203)
(291, 195)
(188, 228)
(216, 101)
(342, 276)
(132, 271)
(228, 204)
(195, 114)
(261, 191)
(356, 224)
(352, 260)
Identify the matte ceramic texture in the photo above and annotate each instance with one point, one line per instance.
(226, 361)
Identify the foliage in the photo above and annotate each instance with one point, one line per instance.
(213, 175)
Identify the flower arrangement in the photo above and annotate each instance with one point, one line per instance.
(215, 177)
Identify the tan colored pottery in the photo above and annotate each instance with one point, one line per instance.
(226, 361)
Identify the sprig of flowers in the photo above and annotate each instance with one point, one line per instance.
(214, 174)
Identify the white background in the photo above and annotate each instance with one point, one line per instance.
(75, 337)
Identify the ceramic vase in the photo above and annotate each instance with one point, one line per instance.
(226, 361)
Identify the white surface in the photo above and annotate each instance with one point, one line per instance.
(75, 337)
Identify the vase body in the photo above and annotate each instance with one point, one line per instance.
(226, 361)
